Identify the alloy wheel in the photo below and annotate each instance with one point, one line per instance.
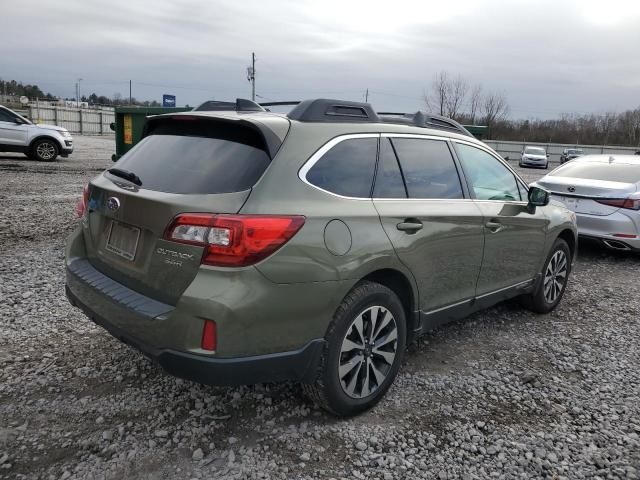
(368, 352)
(555, 276)
(46, 151)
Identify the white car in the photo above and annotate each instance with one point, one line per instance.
(604, 192)
(534, 157)
(39, 142)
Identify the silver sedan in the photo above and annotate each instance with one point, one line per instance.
(604, 192)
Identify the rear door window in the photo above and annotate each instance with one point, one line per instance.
(428, 168)
(196, 157)
(347, 169)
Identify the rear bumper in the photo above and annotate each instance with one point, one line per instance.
(298, 365)
(604, 228)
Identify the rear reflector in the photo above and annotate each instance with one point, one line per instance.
(624, 235)
(234, 240)
(209, 336)
(82, 205)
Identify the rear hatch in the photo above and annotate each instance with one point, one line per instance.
(579, 185)
(184, 164)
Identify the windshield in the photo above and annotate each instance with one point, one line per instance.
(534, 151)
(573, 152)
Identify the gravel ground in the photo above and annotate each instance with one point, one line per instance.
(504, 394)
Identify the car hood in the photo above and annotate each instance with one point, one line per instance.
(535, 157)
(50, 127)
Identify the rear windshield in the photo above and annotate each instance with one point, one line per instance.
(195, 157)
(612, 172)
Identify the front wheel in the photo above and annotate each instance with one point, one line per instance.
(44, 150)
(555, 275)
(365, 346)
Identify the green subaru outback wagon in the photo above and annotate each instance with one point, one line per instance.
(244, 246)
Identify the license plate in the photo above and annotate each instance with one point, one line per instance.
(570, 202)
(123, 240)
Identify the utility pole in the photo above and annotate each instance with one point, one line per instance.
(251, 76)
(78, 93)
(130, 92)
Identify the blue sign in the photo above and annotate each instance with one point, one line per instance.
(168, 100)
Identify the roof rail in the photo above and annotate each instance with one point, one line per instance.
(327, 110)
(423, 119)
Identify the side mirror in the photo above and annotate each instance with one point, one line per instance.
(18, 121)
(548, 154)
(537, 197)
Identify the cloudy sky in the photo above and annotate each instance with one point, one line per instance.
(545, 56)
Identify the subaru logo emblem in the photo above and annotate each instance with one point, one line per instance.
(571, 189)
(113, 204)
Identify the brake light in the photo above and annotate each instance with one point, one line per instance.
(234, 240)
(209, 336)
(83, 203)
(628, 203)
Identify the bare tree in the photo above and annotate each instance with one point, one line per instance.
(475, 103)
(455, 97)
(494, 108)
(437, 98)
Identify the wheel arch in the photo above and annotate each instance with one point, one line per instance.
(405, 289)
(43, 137)
(568, 236)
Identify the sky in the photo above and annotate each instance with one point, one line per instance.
(547, 57)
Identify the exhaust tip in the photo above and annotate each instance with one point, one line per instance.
(616, 245)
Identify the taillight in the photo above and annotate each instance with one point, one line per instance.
(83, 203)
(209, 336)
(628, 203)
(234, 240)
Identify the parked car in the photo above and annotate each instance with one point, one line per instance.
(604, 192)
(309, 247)
(534, 157)
(37, 141)
(570, 154)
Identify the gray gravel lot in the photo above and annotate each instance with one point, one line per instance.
(504, 394)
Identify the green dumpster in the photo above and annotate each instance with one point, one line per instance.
(129, 123)
(478, 131)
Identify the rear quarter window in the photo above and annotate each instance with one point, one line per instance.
(347, 169)
(198, 157)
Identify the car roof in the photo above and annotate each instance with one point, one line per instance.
(279, 120)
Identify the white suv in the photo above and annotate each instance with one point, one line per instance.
(39, 142)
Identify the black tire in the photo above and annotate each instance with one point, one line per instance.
(538, 301)
(44, 150)
(328, 390)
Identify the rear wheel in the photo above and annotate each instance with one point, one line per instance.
(555, 274)
(44, 150)
(365, 346)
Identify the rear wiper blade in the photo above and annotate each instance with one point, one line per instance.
(126, 174)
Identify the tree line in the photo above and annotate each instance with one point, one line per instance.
(18, 89)
(471, 104)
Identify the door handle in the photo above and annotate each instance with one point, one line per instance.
(494, 227)
(410, 225)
